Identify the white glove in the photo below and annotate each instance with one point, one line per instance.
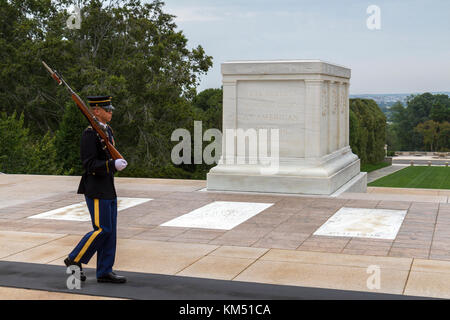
(120, 164)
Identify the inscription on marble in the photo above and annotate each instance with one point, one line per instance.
(269, 116)
(281, 92)
(335, 99)
(342, 95)
(274, 104)
(325, 99)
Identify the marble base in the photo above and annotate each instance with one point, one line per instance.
(357, 184)
(312, 181)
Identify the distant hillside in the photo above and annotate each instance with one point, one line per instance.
(385, 101)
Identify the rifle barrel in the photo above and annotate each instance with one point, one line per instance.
(52, 73)
(84, 109)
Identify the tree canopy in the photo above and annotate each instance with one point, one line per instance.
(128, 49)
(421, 124)
(367, 130)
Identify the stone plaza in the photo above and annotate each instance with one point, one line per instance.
(279, 245)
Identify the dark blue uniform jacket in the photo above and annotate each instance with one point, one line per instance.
(97, 181)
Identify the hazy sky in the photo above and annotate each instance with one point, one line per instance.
(410, 53)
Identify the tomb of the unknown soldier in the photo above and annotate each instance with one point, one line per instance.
(304, 105)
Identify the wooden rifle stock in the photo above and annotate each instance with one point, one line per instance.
(82, 106)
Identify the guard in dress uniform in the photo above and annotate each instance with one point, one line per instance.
(97, 185)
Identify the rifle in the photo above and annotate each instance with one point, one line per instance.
(89, 116)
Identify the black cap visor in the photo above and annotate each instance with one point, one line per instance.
(108, 108)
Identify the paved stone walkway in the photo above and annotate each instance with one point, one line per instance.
(377, 174)
(275, 246)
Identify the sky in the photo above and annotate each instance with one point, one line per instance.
(409, 53)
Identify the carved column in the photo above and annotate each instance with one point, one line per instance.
(324, 115)
(312, 118)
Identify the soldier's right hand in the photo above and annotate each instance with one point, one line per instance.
(120, 164)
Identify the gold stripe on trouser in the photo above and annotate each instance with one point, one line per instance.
(95, 234)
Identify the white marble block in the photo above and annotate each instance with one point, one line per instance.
(363, 222)
(307, 102)
(218, 215)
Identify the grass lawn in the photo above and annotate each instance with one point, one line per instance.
(416, 177)
(372, 167)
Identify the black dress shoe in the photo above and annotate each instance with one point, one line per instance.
(69, 262)
(112, 278)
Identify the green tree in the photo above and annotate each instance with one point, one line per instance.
(367, 130)
(67, 140)
(15, 148)
(354, 132)
(19, 153)
(129, 49)
(400, 126)
(419, 109)
(208, 108)
(28, 33)
(440, 110)
(444, 136)
(430, 131)
(392, 138)
(436, 135)
(43, 159)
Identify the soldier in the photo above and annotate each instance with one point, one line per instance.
(97, 184)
